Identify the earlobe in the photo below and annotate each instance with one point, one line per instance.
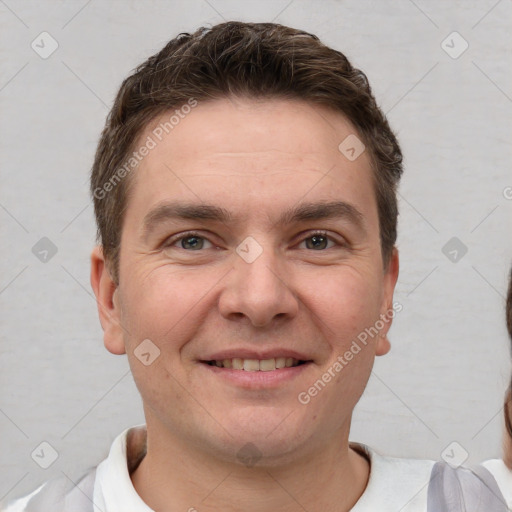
(383, 345)
(109, 311)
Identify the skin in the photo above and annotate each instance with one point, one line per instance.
(255, 159)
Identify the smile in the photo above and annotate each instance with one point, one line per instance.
(257, 365)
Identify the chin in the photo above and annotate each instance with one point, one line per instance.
(262, 440)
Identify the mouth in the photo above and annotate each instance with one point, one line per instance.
(257, 365)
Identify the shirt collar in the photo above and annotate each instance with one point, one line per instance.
(393, 482)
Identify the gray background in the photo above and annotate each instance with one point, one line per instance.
(445, 377)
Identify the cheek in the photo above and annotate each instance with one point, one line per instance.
(161, 306)
(166, 304)
(352, 307)
(347, 301)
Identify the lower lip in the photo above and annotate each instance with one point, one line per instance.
(258, 379)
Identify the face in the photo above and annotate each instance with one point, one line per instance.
(250, 241)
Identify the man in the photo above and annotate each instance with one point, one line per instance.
(245, 195)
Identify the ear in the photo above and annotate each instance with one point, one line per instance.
(387, 311)
(109, 310)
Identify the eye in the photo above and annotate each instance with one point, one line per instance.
(188, 241)
(318, 241)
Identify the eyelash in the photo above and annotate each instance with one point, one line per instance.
(171, 241)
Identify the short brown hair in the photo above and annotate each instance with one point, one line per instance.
(508, 397)
(257, 60)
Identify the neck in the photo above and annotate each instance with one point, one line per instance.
(174, 476)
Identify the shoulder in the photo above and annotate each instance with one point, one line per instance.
(398, 469)
(20, 504)
(413, 485)
(394, 483)
(473, 488)
(62, 494)
(503, 476)
(58, 495)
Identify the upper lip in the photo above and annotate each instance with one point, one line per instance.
(243, 353)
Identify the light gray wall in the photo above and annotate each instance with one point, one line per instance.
(445, 377)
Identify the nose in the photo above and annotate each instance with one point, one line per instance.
(259, 290)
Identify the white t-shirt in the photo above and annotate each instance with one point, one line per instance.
(395, 484)
(503, 476)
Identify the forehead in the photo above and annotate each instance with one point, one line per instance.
(248, 152)
(265, 126)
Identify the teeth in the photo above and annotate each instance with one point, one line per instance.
(251, 365)
(280, 362)
(267, 365)
(255, 365)
(237, 364)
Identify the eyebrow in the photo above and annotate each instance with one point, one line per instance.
(303, 212)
